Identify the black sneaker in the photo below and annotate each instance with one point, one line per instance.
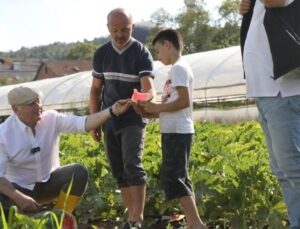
(136, 225)
(132, 225)
(126, 225)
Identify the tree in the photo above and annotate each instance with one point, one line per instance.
(161, 18)
(199, 30)
(194, 26)
(228, 31)
(229, 12)
(82, 51)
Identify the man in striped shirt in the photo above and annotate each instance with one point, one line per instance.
(120, 66)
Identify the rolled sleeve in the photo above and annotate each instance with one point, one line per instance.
(71, 123)
(81, 124)
(97, 75)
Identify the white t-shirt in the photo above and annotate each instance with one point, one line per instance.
(258, 62)
(17, 163)
(179, 121)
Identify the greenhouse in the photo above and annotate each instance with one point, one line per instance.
(218, 77)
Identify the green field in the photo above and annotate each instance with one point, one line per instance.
(229, 168)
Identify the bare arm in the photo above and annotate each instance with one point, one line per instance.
(95, 101)
(183, 101)
(95, 95)
(273, 3)
(147, 85)
(93, 121)
(24, 203)
(244, 6)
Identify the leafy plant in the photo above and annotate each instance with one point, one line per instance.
(55, 219)
(233, 184)
(46, 220)
(228, 166)
(229, 169)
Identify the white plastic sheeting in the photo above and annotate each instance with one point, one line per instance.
(218, 74)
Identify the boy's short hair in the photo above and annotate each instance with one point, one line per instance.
(171, 36)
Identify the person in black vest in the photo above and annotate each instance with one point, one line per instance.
(277, 96)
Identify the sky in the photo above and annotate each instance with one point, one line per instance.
(29, 23)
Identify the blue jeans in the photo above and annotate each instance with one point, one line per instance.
(280, 121)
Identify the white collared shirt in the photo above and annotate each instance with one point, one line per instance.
(17, 163)
(258, 62)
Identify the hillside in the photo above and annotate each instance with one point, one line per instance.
(56, 50)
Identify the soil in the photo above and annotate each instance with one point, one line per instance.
(100, 225)
(118, 225)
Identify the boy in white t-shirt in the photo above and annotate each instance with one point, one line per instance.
(176, 124)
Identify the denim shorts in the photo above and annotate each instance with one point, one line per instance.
(124, 149)
(174, 170)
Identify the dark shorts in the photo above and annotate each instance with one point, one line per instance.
(46, 192)
(174, 170)
(124, 149)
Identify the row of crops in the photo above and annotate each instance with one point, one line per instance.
(229, 168)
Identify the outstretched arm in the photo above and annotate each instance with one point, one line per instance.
(95, 120)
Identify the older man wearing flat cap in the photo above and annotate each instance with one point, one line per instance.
(30, 173)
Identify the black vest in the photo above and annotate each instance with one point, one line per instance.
(282, 26)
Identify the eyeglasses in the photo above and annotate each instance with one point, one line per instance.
(35, 150)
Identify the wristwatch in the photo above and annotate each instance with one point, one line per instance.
(111, 112)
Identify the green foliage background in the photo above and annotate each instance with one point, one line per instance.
(229, 168)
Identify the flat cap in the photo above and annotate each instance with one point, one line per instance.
(23, 95)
